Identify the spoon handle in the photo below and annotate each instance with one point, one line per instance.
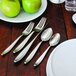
(25, 50)
(22, 44)
(39, 60)
(32, 53)
(11, 46)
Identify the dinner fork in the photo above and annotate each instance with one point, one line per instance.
(38, 28)
(24, 33)
(25, 50)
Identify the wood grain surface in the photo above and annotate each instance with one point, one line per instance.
(58, 19)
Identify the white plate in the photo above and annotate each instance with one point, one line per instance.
(57, 1)
(62, 61)
(74, 18)
(24, 17)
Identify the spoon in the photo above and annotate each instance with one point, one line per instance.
(24, 33)
(53, 41)
(45, 36)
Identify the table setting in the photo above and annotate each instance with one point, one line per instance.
(28, 17)
(39, 42)
(62, 60)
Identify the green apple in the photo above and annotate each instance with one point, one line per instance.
(31, 6)
(10, 8)
(0, 4)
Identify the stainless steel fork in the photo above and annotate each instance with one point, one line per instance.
(25, 33)
(38, 28)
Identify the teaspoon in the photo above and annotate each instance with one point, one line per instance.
(53, 41)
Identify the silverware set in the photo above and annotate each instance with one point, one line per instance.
(24, 33)
(46, 35)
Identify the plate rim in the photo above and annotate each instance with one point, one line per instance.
(51, 55)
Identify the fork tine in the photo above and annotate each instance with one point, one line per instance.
(41, 24)
(29, 28)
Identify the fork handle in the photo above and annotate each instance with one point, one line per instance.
(22, 44)
(39, 60)
(25, 50)
(11, 46)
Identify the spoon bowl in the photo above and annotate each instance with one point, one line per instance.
(54, 39)
(46, 35)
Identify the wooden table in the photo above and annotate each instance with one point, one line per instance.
(57, 18)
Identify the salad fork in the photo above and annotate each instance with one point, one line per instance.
(24, 33)
(38, 28)
(25, 50)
